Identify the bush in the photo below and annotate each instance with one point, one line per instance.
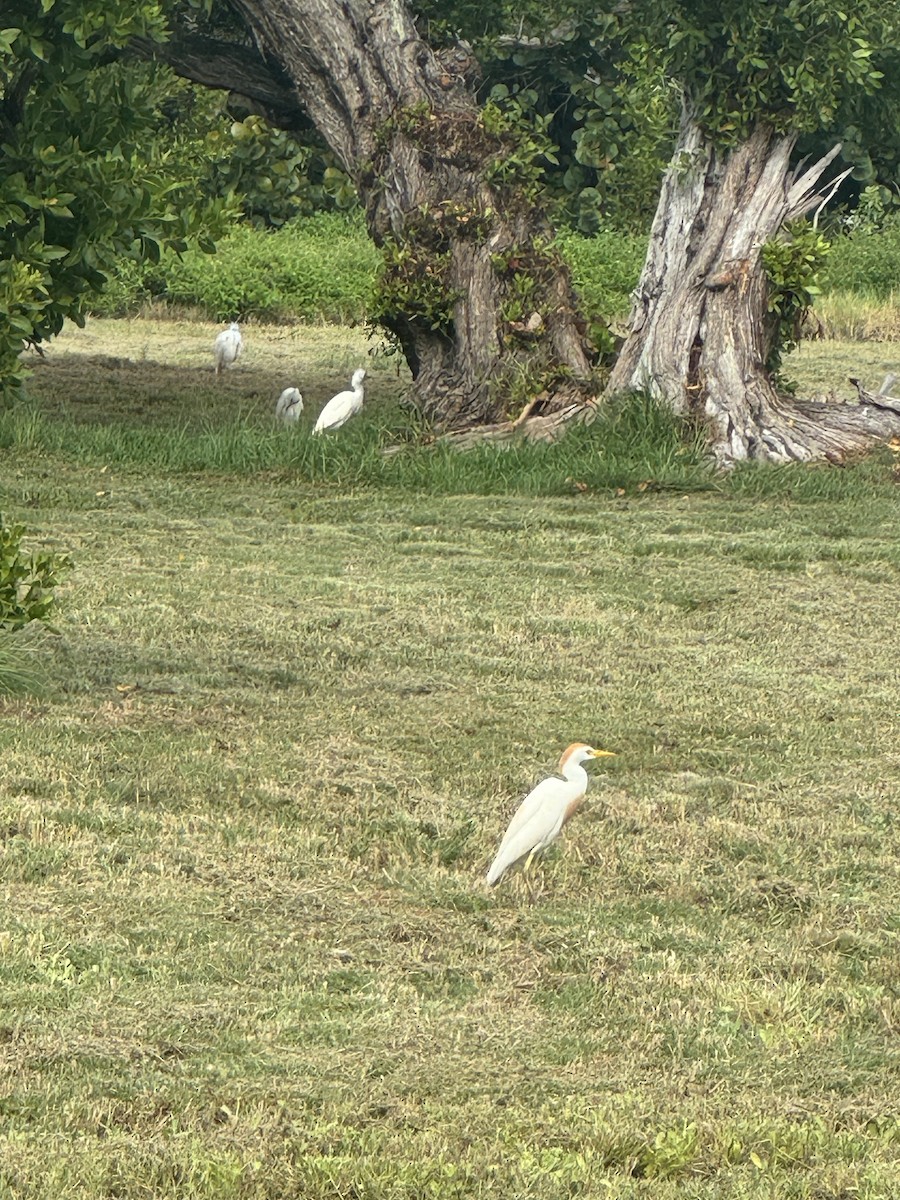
(316, 268)
(605, 269)
(26, 580)
(865, 261)
(323, 268)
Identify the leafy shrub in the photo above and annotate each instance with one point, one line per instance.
(26, 580)
(605, 269)
(316, 268)
(866, 261)
(323, 268)
(793, 262)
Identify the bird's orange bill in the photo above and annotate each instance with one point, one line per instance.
(604, 753)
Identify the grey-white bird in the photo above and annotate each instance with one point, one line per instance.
(344, 405)
(289, 406)
(542, 814)
(229, 346)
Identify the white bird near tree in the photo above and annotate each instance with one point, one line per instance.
(228, 347)
(542, 814)
(344, 405)
(289, 406)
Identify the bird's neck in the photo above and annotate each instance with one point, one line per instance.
(575, 773)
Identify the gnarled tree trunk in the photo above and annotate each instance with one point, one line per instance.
(700, 330)
(482, 309)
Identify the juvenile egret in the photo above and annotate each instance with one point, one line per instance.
(289, 406)
(343, 406)
(228, 347)
(542, 814)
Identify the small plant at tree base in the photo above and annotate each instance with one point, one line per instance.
(792, 261)
(27, 580)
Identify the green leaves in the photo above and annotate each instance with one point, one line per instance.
(743, 61)
(27, 580)
(792, 262)
(87, 177)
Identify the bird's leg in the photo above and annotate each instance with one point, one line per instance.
(527, 877)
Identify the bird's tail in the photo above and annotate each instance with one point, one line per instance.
(495, 873)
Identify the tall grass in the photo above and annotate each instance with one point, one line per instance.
(20, 670)
(634, 447)
(635, 444)
(866, 262)
(858, 316)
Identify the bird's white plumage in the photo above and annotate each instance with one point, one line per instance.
(344, 405)
(540, 817)
(289, 406)
(228, 347)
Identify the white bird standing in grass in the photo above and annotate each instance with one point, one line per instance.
(544, 811)
(343, 406)
(289, 406)
(228, 347)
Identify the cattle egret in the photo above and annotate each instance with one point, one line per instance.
(343, 406)
(228, 347)
(289, 406)
(544, 811)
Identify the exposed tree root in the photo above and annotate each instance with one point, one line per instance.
(797, 430)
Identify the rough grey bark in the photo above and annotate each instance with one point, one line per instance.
(232, 68)
(403, 122)
(700, 333)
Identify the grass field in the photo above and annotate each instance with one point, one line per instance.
(245, 950)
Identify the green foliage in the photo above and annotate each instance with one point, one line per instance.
(84, 181)
(877, 208)
(325, 268)
(227, 152)
(792, 261)
(565, 78)
(317, 268)
(622, 132)
(745, 61)
(867, 260)
(527, 148)
(412, 286)
(595, 130)
(27, 580)
(605, 269)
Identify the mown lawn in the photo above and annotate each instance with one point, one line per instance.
(245, 949)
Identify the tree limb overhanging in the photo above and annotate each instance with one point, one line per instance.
(232, 68)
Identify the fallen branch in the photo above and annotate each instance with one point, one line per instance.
(545, 427)
(879, 399)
